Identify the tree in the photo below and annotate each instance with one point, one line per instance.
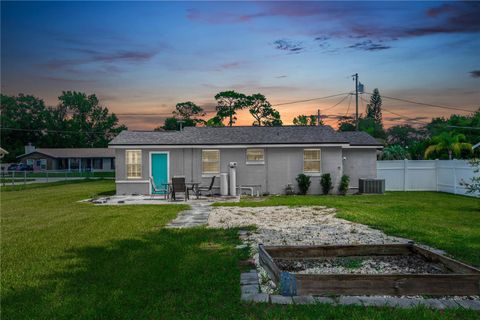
(303, 120)
(78, 121)
(374, 108)
(403, 135)
(228, 103)
(453, 144)
(215, 122)
(394, 152)
(23, 120)
(262, 111)
(474, 185)
(367, 125)
(188, 111)
(172, 124)
(90, 124)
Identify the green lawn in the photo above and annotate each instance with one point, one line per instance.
(68, 260)
(445, 221)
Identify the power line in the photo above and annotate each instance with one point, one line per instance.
(336, 104)
(405, 117)
(348, 108)
(423, 104)
(307, 100)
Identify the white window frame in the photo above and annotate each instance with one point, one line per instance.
(313, 173)
(126, 164)
(208, 173)
(255, 161)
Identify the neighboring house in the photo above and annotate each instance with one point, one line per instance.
(271, 157)
(71, 159)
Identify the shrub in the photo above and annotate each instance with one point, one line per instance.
(303, 183)
(343, 188)
(326, 183)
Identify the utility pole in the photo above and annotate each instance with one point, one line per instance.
(355, 77)
(318, 117)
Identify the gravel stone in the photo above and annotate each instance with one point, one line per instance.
(277, 299)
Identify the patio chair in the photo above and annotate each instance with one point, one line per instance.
(179, 186)
(207, 189)
(165, 189)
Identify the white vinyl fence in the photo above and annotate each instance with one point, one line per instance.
(425, 175)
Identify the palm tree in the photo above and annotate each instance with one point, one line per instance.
(452, 143)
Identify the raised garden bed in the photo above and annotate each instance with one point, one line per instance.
(391, 269)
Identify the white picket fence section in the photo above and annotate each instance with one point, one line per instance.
(425, 175)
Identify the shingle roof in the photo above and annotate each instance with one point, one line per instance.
(74, 152)
(359, 138)
(241, 136)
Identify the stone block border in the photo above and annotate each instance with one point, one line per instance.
(250, 288)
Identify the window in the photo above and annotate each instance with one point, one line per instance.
(41, 163)
(134, 164)
(210, 161)
(29, 162)
(98, 163)
(311, 160)
(255, 156)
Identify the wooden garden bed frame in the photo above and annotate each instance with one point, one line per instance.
(462, 281)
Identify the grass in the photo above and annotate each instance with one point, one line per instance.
(20, 186)
(445, 221)
(68, 260)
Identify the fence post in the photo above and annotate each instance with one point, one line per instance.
(65, 175)
(25, 177)
(454, 179)
(47, 174)
(405, 174)
(13, 178)
(436, 175)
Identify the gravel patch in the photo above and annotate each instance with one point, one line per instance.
(363, 265)
(281, 225)
(317, 225)
(296, 226)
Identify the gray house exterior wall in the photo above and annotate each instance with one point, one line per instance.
(359, 163)
(281, 166)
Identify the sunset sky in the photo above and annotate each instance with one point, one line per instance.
(144, 57)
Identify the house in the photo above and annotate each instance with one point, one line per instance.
(269, 157)
(70, 159)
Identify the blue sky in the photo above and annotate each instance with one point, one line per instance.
(143, 57)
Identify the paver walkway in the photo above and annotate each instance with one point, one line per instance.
(196, 216)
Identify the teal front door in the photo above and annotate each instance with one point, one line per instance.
(159, 171)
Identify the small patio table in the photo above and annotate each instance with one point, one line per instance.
(194, 187)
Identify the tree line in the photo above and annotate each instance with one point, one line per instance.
(79, 120)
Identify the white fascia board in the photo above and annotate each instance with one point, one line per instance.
(363, 147)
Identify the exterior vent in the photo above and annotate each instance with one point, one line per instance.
(371, 186)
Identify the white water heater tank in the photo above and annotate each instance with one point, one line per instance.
(233, 178)
(224, 184)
